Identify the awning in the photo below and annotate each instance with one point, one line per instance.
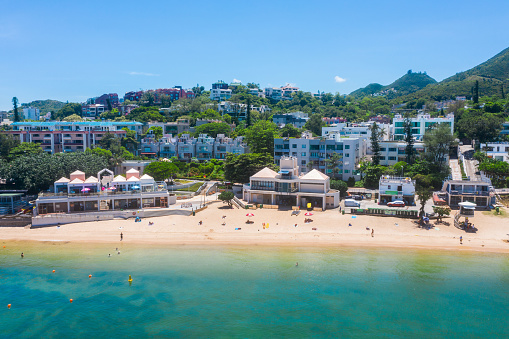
(154, 153)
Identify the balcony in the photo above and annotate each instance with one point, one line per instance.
(469, 192)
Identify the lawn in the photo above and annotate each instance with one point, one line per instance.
(503, 213)
(193, 188)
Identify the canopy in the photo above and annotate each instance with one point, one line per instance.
(468, 205)
(112, 188)
(308, 214)
(250, 215)
(135, 187)
(85, 189)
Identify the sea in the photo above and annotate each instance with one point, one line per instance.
(249, 292)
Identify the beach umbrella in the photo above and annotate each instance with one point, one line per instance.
(135, 187)
(112, 188)
(85, 189)
(250, 215)
(307, 214)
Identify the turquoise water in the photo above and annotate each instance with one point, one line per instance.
(254, 292)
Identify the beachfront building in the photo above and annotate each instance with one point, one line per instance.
(287, 188)
(396, 188)
(392, 152)
(11, 203)
(61, 136)
(103, 193)
(420, 125)
(497, 150)
(224, 145)
(297, 119)
(479, 192)
(312, 153)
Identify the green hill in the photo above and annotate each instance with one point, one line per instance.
(45, 105)
(491, 75)
(408, 83)
(368, 90)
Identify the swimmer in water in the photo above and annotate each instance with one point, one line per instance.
(297, 264)
(109, 254)
(22, 255)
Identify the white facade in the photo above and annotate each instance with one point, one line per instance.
(220, 94)
(396, 188)
(288, 188)
(392, 152)
(31, 113)
(497, 150)
(420, 125)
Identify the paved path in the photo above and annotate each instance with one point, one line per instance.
(455, 169)
(470, 165)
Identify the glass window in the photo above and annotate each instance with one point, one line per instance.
(303, 146)
(303, 154)
(392, 149)
(294, 146)
(392, 158)
(347, 146)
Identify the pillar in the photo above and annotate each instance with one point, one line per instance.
(112, 204)
(272, 198)
(324, 199)
(68, 207)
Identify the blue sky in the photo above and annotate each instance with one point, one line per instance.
(70, 50)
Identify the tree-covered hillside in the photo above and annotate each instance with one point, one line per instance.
(408, 83)
(46, 105)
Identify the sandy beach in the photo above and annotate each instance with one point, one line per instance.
(328, 228)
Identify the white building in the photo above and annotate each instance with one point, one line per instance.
(31, 113)
(297, 119)
(103, 193)
(420, 125)
(220, 94)
(92, 111)
(497, 150)
(392, 152)
(396, 188)
(287, 188)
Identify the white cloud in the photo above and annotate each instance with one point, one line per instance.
(339, 79)
(144, 74)
(236, 81)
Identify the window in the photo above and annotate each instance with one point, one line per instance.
(294, 146)
(392, 158)
(339, 147)
(383, 149)
(303, 146)
(392, 149)
(347, 155)
(303, 154)
(303, 162)
(347, 146)
(382, 158)
(347, 171)
(294, 154)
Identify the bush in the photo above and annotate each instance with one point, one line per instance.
(351, 182)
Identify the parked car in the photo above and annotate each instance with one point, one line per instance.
(352, 203)
(397, 203)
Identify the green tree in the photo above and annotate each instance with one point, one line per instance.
(409, 140)
(161, 170)
(110, 115)
(339, 185)
(146, 114)
(15, 103)
(73, 118)
(157, 131)
(315, 124)
(148, 98)
(333, 162)
(129, 141)
(438, 142)
(68, 109)
(423, 189)
(238, 168)
(108, 103)
(289, 131)
(375, 144)
(25, 148)
(248, 111)
(483, 128)
(226, 196)
(476, 92)
(213, 129)
(7, 143)
(441, 211)
(260, 137)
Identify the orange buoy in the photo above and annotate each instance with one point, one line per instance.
(53, 271)
(8, 305)
(4, 246)
(70, 300)
(90, 275)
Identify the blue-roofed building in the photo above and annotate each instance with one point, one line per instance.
(61, 136)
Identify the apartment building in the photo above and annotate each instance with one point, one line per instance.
(312, 153)
(180, 126)
(505, 129)
(61, 136)
(297, 119)
(497, 150)
(239, 111)
(220, 94)
(333, 120)
(420, 125)
(31, 113)
(288, 188)
(392, 152)
(93, 110)
(186, 147)
(103, 100)
(273, 93)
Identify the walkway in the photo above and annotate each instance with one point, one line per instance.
(455, 169)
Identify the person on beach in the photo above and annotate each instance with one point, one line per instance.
(121, 236)
(461, 240)
(109, 254)
(372, 232)
(22, 255)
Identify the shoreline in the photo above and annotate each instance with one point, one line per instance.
(217, 226)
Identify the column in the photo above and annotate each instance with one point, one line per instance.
(324, 199)
(112, 204)
(272, 197)
(68, 207)
(98, 204)
(52, 143)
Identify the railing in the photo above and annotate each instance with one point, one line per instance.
(481, 193)
(98, 194)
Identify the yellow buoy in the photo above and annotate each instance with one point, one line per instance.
(130, 279)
